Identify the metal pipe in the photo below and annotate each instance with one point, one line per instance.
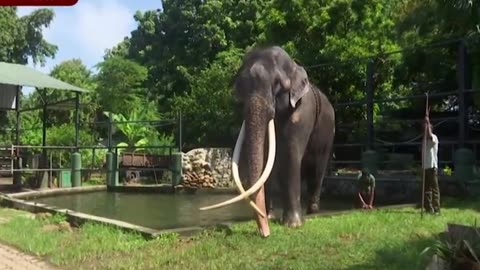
(17, 180)
(461, 65)
(168, 121)
(46, 104)
(109, 127)
(180, 131)
(369, 100)
(77, 119)
(92, 147)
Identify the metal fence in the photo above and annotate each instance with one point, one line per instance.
(396, 134)
(36, 163)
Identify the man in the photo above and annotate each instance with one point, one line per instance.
(430, 166)
(366, 188)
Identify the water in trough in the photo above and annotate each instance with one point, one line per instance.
(162, 211)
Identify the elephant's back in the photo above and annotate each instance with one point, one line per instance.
(325, 110)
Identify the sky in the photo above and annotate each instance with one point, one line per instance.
(87, 29)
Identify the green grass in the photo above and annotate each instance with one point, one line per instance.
(382, 239)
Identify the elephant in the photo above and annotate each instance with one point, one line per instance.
(276, 95)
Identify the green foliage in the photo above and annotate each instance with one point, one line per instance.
(139, 134)
(64, 135)
(185, 37)
(457, 250)
(22, 37)
(210, 101)
(120, 84)
(74, 72)
(182, 58)
(448, 171)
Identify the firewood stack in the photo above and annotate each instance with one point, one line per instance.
(201, 176)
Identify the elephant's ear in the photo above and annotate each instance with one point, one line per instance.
(282, 80)
(300, 85)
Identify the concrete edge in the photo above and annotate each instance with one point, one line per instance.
(56, 191)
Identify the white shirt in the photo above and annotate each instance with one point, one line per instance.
(430, 160)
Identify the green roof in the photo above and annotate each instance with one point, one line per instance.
(21, 75)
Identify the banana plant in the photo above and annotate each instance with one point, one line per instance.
(136, 134)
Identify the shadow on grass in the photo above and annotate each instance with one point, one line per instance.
(462, 203)
(400, 257)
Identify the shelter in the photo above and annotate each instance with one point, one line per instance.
(12, 78)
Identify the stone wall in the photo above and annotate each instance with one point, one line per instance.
(207, 168)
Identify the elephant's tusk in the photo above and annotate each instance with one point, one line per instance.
(236, 176)
(263, 178)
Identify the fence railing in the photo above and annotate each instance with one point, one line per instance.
(348, 155)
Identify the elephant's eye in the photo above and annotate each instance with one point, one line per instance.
(276, 89)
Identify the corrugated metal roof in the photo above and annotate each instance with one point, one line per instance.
(21, 75)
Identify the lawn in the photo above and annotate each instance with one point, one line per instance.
(379, 239)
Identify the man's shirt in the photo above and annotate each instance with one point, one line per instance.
(430, 160)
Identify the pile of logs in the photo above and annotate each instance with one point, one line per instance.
(202, 178)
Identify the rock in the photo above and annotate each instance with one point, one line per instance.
(207, 167)
(437, 263)
(64, 226)
(43, 215)
(50, 228)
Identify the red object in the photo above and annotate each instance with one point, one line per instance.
(38, 2)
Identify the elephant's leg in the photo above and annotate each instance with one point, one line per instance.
(269, 195)
(315, 187)
(292, 208)
(271, 188)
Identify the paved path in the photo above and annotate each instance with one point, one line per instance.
(13, 259)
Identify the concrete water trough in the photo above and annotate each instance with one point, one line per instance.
(150, 211)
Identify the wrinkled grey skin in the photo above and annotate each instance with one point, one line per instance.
(269, 84)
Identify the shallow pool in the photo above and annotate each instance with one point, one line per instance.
(162, 211)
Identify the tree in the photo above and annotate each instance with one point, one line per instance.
(120, 84)
(210, 101)
(334, 41)
(184, 38)
(76, 73)
(22, 37)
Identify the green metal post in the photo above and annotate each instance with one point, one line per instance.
(112, 180)
(17, 175)
(76, 169)
(115, 167)
(176, 168)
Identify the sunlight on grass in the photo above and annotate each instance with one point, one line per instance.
(383, 239)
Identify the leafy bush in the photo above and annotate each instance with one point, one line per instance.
(458, 250)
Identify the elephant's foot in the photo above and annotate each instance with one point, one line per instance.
(312, 208)
(271, 215)
(293, 219)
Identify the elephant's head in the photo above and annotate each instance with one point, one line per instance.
(269, 82)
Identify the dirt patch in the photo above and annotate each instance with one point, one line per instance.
(11, 258)
(62, 227)
(349, 237)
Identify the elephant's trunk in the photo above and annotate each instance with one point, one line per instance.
(253, 151)
(255, 131)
